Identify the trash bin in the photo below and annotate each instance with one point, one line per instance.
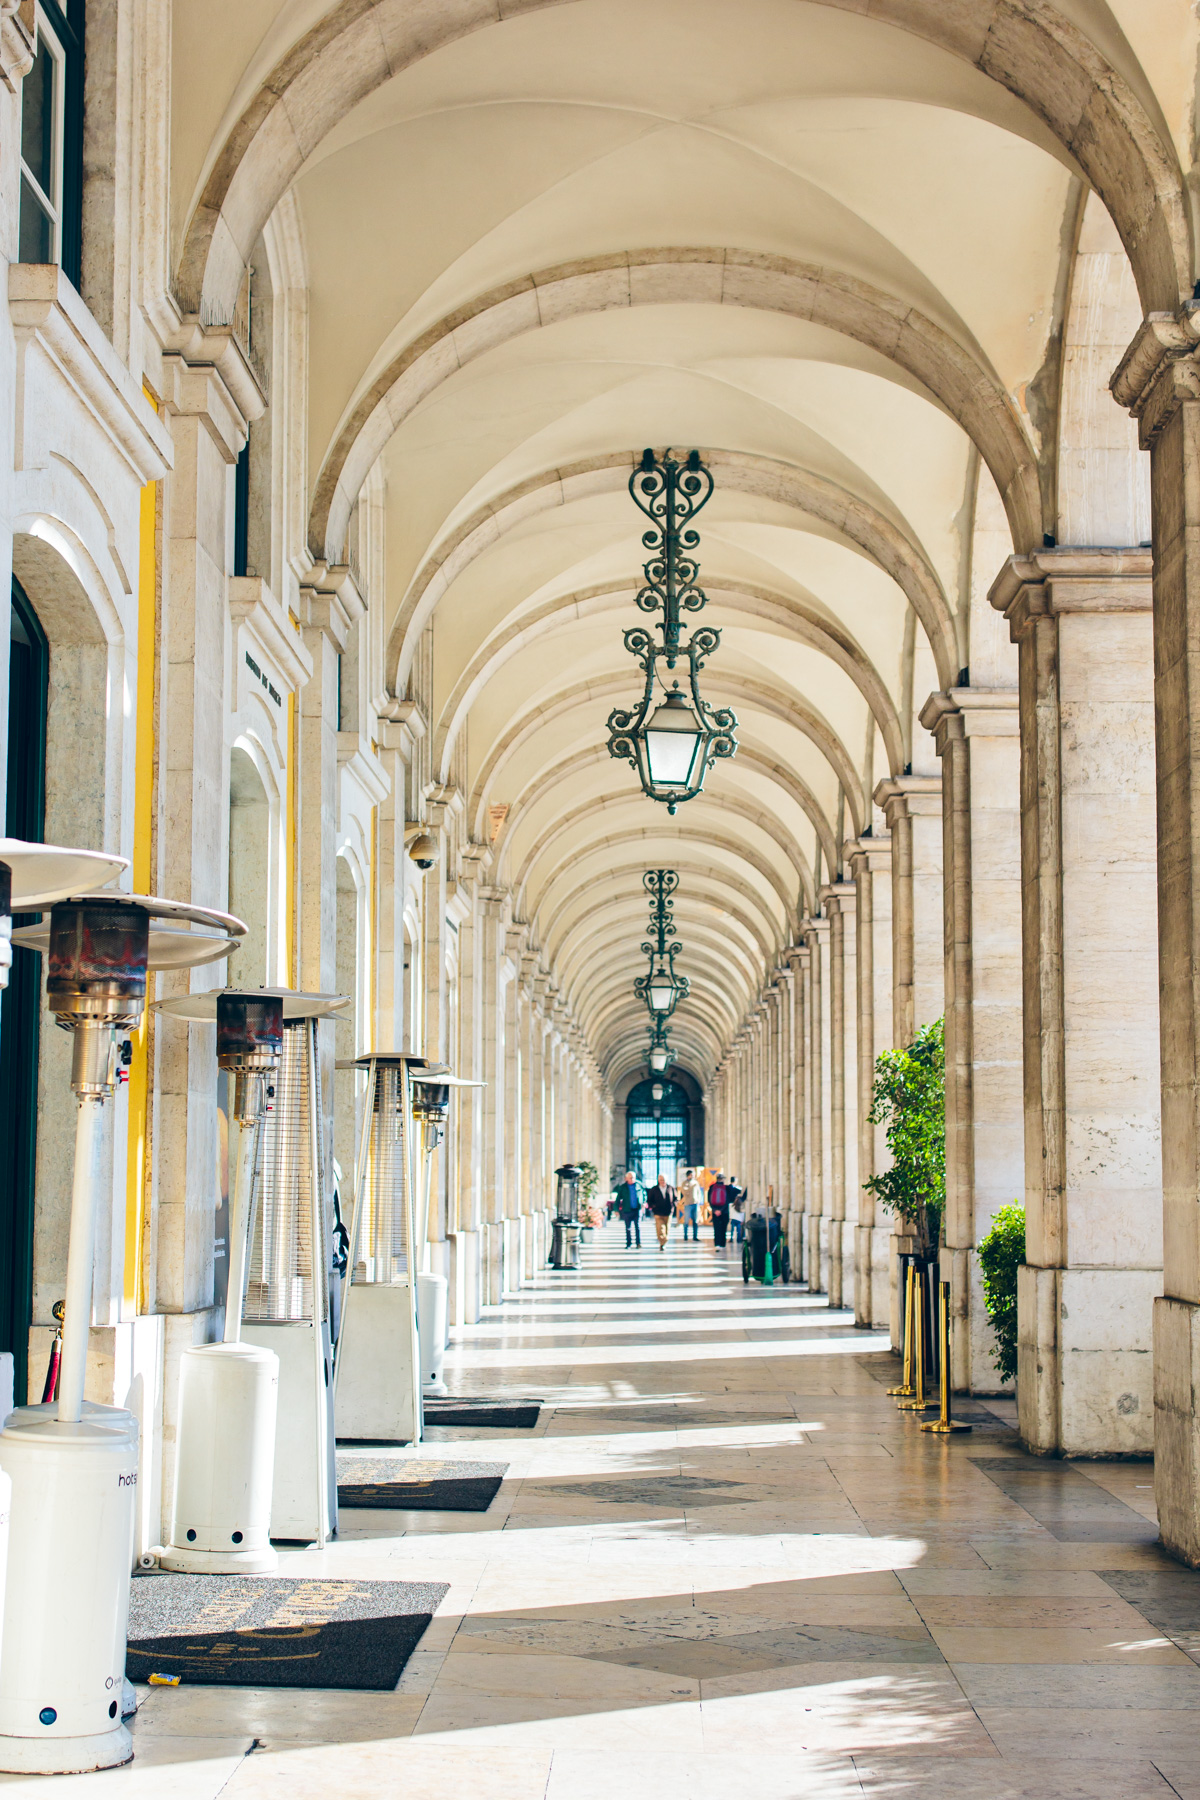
(566, 1229)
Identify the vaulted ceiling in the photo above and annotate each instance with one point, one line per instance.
(826, 249)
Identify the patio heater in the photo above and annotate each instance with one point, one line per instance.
(74, 1467)
(431, 1106)
(377, 1373)
(286, 1305)
(228, 1392)
(564, 1242)
(393, 1332)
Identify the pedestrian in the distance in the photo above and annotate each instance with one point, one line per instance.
(631, 1209)
(718, 1206)
(661, 1201)
(691, 1199)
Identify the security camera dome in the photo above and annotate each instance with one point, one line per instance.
(424, 851)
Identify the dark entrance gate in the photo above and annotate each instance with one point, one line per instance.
(656, 1131)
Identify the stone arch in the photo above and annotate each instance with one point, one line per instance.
(958, 378)
(826, 635)
(876, 536)
(1029, 47)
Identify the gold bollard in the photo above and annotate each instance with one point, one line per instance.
(945, 1424)
(906, 1386)
(918, 1403)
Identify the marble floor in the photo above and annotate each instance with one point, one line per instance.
(723, 1566)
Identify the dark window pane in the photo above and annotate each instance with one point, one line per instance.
(37, 235)
(37, 119)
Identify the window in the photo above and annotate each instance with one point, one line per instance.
(52, 141)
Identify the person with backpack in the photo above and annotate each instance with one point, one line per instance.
(718, 1206)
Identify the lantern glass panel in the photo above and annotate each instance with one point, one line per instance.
(673, 737)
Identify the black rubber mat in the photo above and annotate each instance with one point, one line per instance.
(262, 1631)
(515, 1415)
(426, 1486)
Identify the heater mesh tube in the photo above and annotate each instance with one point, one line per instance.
(384, 1253)
(281, 1283)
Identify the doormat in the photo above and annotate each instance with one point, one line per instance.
(263, 1631)
(515, 1415)
(426, 1486)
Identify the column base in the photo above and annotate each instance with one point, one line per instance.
(872, 1275)
(1085, 1380)
(1176, 1441)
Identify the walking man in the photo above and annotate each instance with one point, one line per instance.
(691, 1196)
(661, 1201)
(631, 1209)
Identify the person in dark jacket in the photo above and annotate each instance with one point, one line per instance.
(661, 1201)
(718, 1206)
(631, 1209)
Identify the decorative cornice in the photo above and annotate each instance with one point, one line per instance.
(908, 796)
(45, 309)
(1047, 583)
(254, 607)
(971, 712)
(1158, 373)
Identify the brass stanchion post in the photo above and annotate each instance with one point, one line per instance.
(945, 1424)
(918, 1403)
(906, 1385)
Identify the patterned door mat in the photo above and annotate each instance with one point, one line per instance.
(428, 1486)
(455, 1409)
(261, 1631)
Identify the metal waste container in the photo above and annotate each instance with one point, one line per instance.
(564, 1238)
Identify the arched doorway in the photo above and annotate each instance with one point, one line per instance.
(20, 1021)
(657, 1133)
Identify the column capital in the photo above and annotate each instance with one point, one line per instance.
(207, 374)
(401, 725)
(837, 896)
(873, 854)
(1158, 373)
(16, 42)
(799, 956)
(908, 797)
(814, 930)
(1047, 583)
(971, 712)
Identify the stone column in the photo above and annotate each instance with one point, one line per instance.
(977, 736)
(838, 901)
(798, 963)
(1082, 622)
(912, 805)
(816, 934)
(870, 860)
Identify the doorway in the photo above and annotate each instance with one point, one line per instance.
(20, 1005)
(656, 1131)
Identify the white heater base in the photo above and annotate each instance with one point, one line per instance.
(66, 1603)
(379, 1373)
(224, 1467)
(66, 1756)
(432, 1312)
(304, 1487)
(183, 1561)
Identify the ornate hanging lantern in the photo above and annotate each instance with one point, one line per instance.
(661, 988)
(671, 740)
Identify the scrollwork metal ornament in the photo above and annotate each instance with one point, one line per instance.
(661, 989)
(672, 744)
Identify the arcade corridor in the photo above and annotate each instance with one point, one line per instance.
(724, 1565)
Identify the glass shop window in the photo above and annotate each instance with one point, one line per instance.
(52, 141)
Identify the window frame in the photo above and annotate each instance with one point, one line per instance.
(61, 30)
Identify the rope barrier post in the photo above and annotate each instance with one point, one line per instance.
(945, 1424)
(918, 1403)
(906, 1389)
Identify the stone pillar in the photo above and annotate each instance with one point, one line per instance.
(816, 935)
(798, 962)
(1083, 626)
(870, 860)
(977, 736)
(912, 805)
(838, 901)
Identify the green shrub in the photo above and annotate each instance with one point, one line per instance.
(1000, 1256)
(589, 1180)
(909, 1097)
